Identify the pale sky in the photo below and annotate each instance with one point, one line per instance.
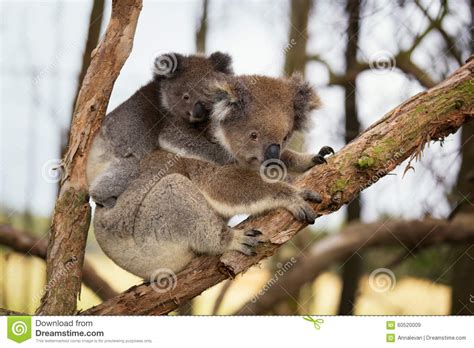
(41, 49)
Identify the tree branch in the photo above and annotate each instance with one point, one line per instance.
(4, 311)
(355, 238)
(26, 243)
(437, 23)
(400, 134)
(72, 211)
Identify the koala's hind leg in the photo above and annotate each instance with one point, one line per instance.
(110, 184)
(186, 218)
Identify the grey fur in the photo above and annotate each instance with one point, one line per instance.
(133, 130)
(177, 206)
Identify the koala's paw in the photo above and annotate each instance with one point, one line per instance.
(246, 241)
(311, 196)
(320, 157)
(303, 212)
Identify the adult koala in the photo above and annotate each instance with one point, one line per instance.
(178, 206)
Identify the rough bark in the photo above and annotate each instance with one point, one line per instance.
(28, 244)
(72, 211)
(400, 134)
(93, 33)
(355, 238)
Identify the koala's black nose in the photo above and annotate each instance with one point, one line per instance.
(272, 152)
(199, 113)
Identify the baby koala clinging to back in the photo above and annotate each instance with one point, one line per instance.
(168, 112)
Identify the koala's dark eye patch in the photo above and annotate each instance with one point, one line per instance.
(186, 96)
(254, 135)
(286, 137)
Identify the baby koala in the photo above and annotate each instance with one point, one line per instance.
(171, 105)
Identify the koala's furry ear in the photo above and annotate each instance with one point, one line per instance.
(305, 100)
(168, 65)
(227, 99)
(222, 62)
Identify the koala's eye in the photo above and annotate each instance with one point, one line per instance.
(286, 138)
(186, 96)
(254, 135)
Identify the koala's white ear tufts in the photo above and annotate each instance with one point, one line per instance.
(222, 62)
(305, 100)
(223, 99)
(167, 65)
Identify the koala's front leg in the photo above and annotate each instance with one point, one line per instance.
(189, 142)
(233, 190)
(301, 162)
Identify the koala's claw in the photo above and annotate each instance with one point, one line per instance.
(304, 213)
(326, 150)
(247, 241)
(320, 157)
(311, 196)
(253, 233)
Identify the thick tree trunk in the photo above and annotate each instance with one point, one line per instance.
(354, 238)
(399, 135)
(93, 33)
(72, 211)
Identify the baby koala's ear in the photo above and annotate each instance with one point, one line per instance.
(305, 100)
(222, 62)
(168, 65)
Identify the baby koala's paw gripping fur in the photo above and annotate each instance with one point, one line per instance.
(246, 241)
(302, 210)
